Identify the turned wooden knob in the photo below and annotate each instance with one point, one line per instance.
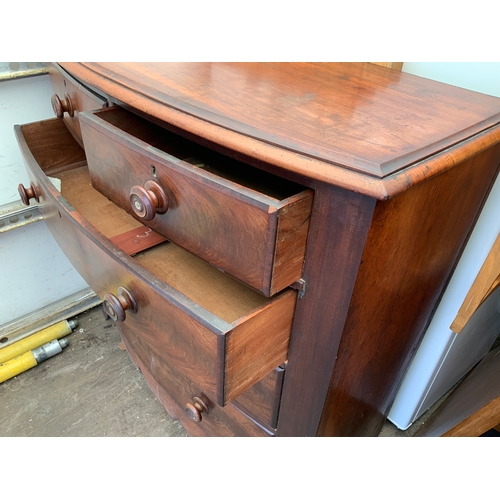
(27, 194)
(62, 106)
(149, 200)
(114, 306)
(195, 409)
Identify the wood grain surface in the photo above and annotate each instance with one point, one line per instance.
(52, 146)
(174, 391)
(329, 121)
(400, 168)
(81, 98)
(414, 242)
(247, 223)
(473, 407)
(193, 336)
(262, 400)
(485, 282)
(339, 225)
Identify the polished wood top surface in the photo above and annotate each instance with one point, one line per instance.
(310, 118)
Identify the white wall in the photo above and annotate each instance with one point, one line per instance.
(481, 77)
(34, 272)
(21, 101)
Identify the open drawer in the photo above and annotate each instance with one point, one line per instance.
(247, 222)
(216, 331)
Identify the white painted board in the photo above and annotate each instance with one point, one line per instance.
(33, 270)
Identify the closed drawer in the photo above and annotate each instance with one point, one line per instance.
(178, 394)
(246, 222)
(219, 333)
(70, 98)
(262, 400)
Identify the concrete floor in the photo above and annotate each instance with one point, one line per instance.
(92, 389)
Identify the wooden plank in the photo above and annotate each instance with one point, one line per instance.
(339, 225)
(291, 237)
(473, 407)
(258, 343)
(392, 65)
(137, 240)
(104, 215)
(262, 400)
(478, 423)
(204, 284)
(486, 281)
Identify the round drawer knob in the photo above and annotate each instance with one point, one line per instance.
(61, 106)
(27, 194)
(195, 409)
(114, 306)
(148, 201)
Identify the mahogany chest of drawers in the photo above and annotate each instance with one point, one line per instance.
(272, 239)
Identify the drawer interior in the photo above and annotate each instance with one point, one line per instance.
(222, 334)
(215, 291)
(199, 156)
(60, 156)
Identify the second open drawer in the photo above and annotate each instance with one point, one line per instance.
(246, 222)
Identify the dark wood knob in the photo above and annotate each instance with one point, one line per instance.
(195, 409)
(149, 200)
(114, 306)
(61, 106)
(27, 194)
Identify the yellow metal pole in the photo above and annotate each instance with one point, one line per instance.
(16, 366)
(53, 332)
(30, 359)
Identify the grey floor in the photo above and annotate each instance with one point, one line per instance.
(92, 389)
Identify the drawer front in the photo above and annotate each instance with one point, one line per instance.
(262, 400)
(70, 99)
(175, 392)
(255, 237)
(223, 358)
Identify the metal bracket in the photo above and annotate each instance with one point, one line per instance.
(18, 216)
(300, 285)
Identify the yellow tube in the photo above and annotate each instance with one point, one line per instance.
(16, 366)
(36, 340)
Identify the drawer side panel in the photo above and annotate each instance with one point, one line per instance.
(249, 357)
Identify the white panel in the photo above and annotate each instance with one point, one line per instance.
(33, 270)
(21, 101)
(480, 77)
